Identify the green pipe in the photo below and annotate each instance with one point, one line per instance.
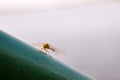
(20, 61)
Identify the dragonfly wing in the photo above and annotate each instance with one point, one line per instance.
(36, 44)
(56, 49)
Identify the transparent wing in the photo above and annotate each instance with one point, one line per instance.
(56, 49)
(36, 44)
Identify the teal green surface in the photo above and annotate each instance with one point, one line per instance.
(19, 61)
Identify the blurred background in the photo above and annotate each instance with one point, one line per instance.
(87, 30)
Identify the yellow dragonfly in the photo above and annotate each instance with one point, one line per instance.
(46, 47)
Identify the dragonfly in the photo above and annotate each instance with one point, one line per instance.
(47, 48)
